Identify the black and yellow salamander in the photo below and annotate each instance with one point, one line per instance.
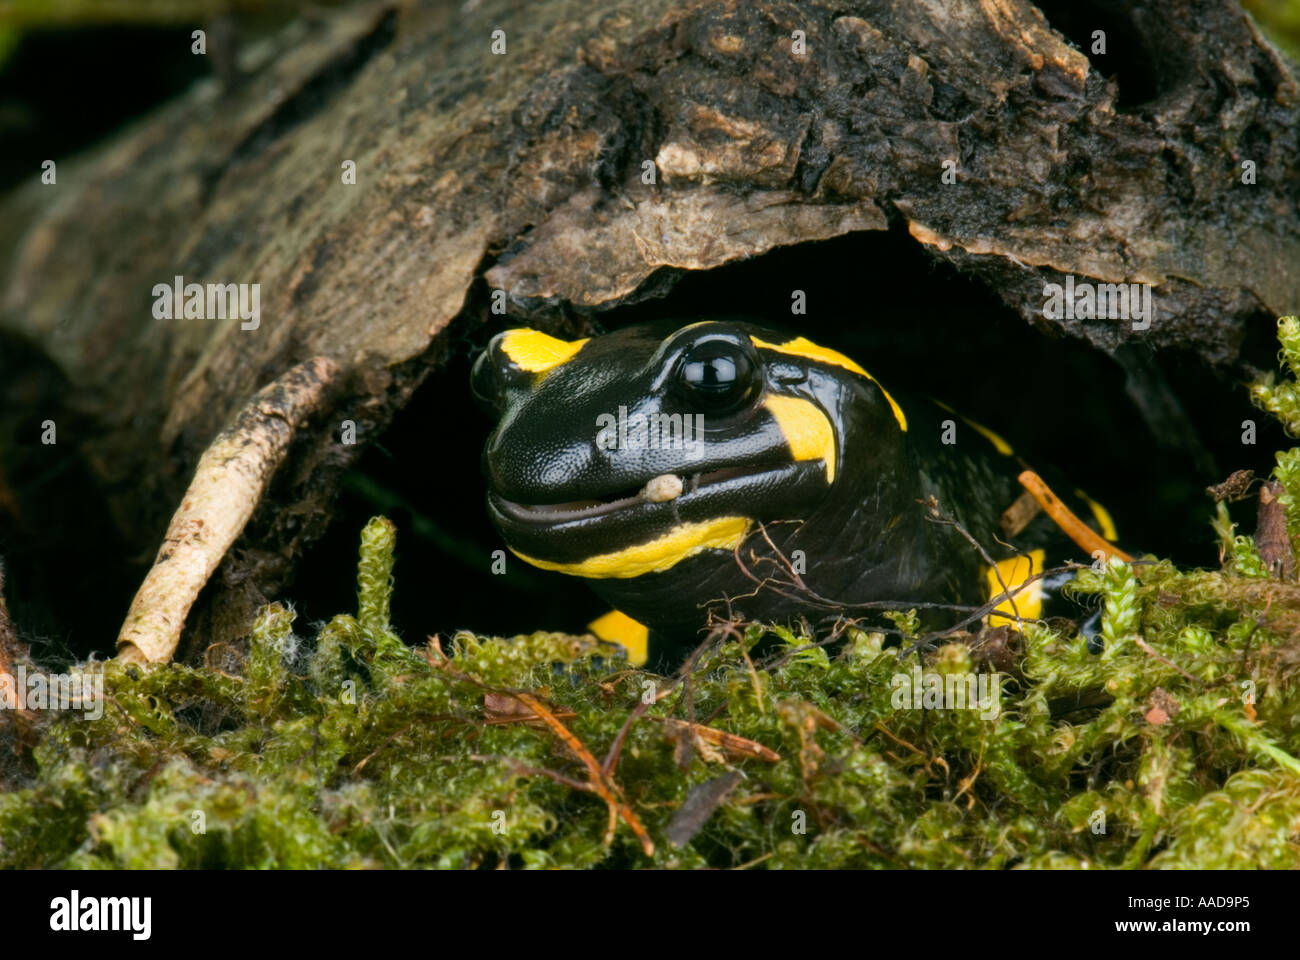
(642, 459)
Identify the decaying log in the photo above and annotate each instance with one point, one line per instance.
(602, 142)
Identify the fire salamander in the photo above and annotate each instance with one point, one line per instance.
(650, 460)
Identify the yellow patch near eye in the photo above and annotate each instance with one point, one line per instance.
(807, 429)
(803, 347)
(1014, 571)
(536, 352)
(1101, 515)
(632, 635)
(673, 547)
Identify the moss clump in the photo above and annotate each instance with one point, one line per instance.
(1174, 746)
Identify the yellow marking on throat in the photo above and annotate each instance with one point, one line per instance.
(685, 540)
(807, 429)
(536, 352)
(1028, 602)
(633, 636)
(803, 347)
(1101, 515)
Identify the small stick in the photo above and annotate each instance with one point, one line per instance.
(898, 740)
(1018, 516)
(230, 481)
(933, 506)
(611, 758)
(604, 788)
(1070, 525)
(738, 746)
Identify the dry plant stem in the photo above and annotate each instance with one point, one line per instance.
(934, 515)
(611, 758)
(732, 744)
(605, 788)
(806, 594)
(598, 781)
(229, 483)
(1063, 517)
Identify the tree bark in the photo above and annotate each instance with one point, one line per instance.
(764, 124)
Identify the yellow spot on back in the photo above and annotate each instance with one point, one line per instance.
(685, 540)
(536, 352)
(631, 635)
(1101, 515)
(807, 429)
(999, 444)
(803, 347)
(1028, 601)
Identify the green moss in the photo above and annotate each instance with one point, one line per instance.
(1175, 746)
(1282, 399)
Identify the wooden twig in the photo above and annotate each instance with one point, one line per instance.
(525, 770)
(1019, 515)
(503, 708)
(1070, 524)
(230, 481)
(611, 758)
(728, 742)
(604, 787)
(933, 506)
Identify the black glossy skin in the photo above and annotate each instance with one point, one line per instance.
(865, 536)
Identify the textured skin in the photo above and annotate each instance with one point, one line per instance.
(865, 537)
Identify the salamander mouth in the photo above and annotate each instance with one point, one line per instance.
(665, 489)
(664, 506)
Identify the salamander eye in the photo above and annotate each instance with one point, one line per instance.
(719, 375)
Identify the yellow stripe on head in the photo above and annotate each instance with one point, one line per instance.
(633, 636)
(806, 428)
(536, 352)
(683, 541)
(1014, 571)
(1101, 515)
(803, 347)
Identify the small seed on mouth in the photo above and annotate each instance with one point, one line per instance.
(665, 487)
